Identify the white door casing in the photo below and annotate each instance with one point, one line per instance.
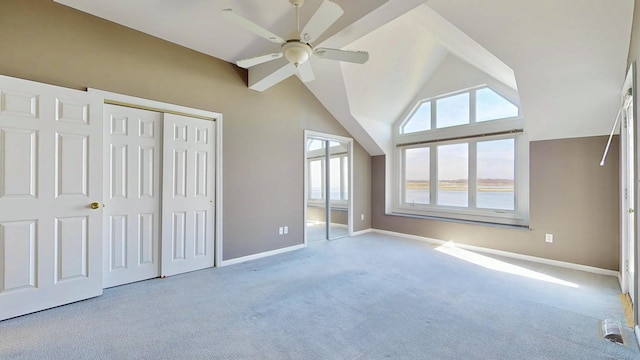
(188, 194)
(628, 207)
(628, 187)
(50, 172)
(348, 143)
(132, 195)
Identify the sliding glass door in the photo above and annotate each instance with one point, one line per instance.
(327, 186)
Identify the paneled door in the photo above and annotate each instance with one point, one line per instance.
(50, 197)
(188, 194)
(132, 205)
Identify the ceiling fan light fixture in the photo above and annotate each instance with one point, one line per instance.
(296, 52)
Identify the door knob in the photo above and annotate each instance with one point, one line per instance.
(630, 210)
(94, 205)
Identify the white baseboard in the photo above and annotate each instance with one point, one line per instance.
(508, 254)
(261, 255)
(361, 232)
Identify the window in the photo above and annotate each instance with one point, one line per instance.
(463, 156)
(316, 188)
(496, 174)
(416, 176)
(420, 119)
(452, 110)
(338, 171)
(491, 106)
(338, 177)
(453, 175)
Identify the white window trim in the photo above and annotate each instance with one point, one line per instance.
(517, 217)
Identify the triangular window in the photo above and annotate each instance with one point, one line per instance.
(420, 119)
(491, 106)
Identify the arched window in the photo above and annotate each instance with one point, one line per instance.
(463, 156)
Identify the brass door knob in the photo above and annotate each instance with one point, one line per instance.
(630, 210)
(94, 205)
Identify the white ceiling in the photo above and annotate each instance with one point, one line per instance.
(568, 57)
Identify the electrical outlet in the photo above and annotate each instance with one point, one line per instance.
(361, 216)
(286, 230)
(280, 230)
(548, 238)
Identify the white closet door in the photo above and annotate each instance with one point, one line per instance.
(188, 194)
(50, 173)
(132, 205)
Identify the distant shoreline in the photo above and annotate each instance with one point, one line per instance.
(484, 185)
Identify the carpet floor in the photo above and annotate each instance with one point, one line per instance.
(366, 297)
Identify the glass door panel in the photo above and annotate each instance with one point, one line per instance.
(316, 190)
(338, 189)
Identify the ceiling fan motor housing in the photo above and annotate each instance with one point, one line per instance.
(296, 52)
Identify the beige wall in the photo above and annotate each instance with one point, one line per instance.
(263, 132)
(571, 196)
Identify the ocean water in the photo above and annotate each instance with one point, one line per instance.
(499, 200)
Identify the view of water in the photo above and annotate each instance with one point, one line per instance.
(501, 200)
(486, 200)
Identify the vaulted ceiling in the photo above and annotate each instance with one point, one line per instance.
(563, 61)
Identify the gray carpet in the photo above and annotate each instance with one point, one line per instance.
(366, 297)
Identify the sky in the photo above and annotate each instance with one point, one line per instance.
(495, 161)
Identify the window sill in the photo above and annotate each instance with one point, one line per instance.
(461, 221)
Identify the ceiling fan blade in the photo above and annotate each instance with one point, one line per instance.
(306, 72)
(325, 16)
(230, 15)
(358, 57)
(247, 63)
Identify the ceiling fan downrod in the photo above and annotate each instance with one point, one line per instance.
(297, 4)
(295, 50)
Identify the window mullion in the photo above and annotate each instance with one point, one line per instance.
(472, 107)
(433, 175)
(343, 179)
(433, 160)
(323, 167)
(434, 121)
(309, 180)
(402, 177)
(516, 173)
(473, 174)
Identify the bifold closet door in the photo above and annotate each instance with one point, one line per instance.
(132, 205)
(50, 197)
(188, 194)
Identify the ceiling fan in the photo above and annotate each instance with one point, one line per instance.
(298, 50)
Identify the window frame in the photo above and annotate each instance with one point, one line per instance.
(344, 188)
(471, 134)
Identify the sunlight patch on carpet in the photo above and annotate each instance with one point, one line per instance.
(627, 306)
(498, 265)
